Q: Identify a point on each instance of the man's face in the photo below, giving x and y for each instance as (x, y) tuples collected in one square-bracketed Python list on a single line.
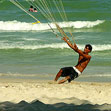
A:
[(86, 49)]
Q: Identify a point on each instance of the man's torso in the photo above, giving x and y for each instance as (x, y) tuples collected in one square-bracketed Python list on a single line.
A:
[(82, 63)]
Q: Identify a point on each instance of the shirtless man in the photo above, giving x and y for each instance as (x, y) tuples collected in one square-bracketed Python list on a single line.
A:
[(31, 9), (35, 10), (70, 73)]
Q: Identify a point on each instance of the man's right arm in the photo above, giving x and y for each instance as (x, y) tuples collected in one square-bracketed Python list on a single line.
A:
[(83, 54), (80, 52), (75, 48)]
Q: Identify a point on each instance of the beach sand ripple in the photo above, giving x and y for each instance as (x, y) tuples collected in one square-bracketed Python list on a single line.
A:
[(39, 106)]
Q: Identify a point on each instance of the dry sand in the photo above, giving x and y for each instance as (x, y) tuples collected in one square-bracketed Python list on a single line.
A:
[(30, 95)]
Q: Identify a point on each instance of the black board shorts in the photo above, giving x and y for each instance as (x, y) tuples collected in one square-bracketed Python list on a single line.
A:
[(69, 71)]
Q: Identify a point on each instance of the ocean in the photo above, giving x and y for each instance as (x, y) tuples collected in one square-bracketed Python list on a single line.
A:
[(32, 51)]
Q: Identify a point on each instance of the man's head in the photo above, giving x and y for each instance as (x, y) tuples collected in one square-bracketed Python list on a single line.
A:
[(35, 9), (88, 47), (31, 6)]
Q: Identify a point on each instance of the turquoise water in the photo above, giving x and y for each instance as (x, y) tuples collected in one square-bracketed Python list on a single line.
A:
[(33, 51)]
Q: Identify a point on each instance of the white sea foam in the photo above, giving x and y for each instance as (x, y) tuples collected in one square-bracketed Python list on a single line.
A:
[(96, 75), (20, 46), (102, 47), (23, 26), (81, 24), (53, 45)]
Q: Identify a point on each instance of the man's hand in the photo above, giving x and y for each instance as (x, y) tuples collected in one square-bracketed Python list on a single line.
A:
[(64, 38), (75, 47), (68, 42)]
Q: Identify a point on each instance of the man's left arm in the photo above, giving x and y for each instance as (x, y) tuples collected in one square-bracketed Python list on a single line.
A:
[(67, 41)]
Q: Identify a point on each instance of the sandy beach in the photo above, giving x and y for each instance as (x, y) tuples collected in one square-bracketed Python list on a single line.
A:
[(44, 95)]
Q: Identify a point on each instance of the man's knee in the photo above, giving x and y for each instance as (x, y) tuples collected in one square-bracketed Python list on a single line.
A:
[(67, 77), (61, 70)]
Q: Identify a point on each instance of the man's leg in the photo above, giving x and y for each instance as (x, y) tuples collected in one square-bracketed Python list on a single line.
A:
[(58, 75), (64, 80)]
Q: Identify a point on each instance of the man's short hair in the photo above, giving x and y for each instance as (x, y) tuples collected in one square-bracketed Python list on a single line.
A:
[(31, 6), (35, 9), (89, 46)]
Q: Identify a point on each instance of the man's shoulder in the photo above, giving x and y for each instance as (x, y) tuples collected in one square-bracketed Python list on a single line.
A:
[(90, 56), (87, 56)]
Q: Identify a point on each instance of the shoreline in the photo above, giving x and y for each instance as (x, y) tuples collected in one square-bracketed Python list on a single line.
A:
[(48, 77)]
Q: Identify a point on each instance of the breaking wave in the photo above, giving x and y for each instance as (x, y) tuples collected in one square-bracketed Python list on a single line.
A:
[(23, 26)]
